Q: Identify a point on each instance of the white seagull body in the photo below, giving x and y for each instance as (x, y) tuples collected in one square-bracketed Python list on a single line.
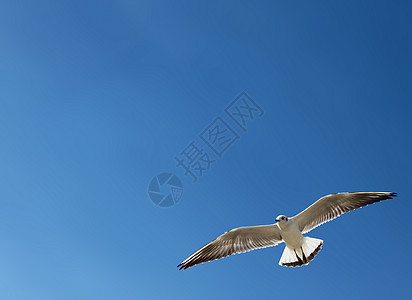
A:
[(299, 250)]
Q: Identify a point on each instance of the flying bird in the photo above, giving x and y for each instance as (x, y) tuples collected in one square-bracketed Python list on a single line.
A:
[(299, 250)]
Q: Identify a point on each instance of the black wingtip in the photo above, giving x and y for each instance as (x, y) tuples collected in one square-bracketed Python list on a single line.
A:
[(392, 195)]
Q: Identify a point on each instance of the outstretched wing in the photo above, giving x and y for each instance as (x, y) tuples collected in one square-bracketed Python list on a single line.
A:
[(332, 206), (239, 240)]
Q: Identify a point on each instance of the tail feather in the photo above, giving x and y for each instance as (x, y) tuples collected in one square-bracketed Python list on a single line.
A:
[(301, 256)]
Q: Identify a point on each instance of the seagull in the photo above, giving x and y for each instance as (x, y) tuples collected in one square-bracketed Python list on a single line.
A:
[(299, 250)]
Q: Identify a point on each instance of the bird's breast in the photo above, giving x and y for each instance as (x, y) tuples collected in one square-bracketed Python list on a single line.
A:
[(292, 237)]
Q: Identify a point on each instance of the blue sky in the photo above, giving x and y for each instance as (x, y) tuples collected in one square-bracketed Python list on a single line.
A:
[(97, 97)]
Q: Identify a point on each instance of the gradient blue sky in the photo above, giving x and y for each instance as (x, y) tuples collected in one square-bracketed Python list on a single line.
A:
[(97, 97)]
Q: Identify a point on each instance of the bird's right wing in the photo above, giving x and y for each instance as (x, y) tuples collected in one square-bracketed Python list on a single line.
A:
[(332, 206), (239, 240)]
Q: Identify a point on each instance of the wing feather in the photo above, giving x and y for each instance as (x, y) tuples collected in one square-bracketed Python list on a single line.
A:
[(332, 206), (239, 240)]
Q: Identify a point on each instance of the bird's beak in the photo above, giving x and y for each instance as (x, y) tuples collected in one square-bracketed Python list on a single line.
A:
[(276, 220)]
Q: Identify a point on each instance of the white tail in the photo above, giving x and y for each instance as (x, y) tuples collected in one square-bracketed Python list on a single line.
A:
[(303, 255)]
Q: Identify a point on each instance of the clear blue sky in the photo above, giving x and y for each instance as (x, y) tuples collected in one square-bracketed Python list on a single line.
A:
[(97, 97)]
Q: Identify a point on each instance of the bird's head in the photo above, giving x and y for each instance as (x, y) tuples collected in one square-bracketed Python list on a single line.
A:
[(281, 219)]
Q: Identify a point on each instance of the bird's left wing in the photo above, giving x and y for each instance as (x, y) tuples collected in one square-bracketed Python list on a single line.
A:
[(239, 240), (332, 206)]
